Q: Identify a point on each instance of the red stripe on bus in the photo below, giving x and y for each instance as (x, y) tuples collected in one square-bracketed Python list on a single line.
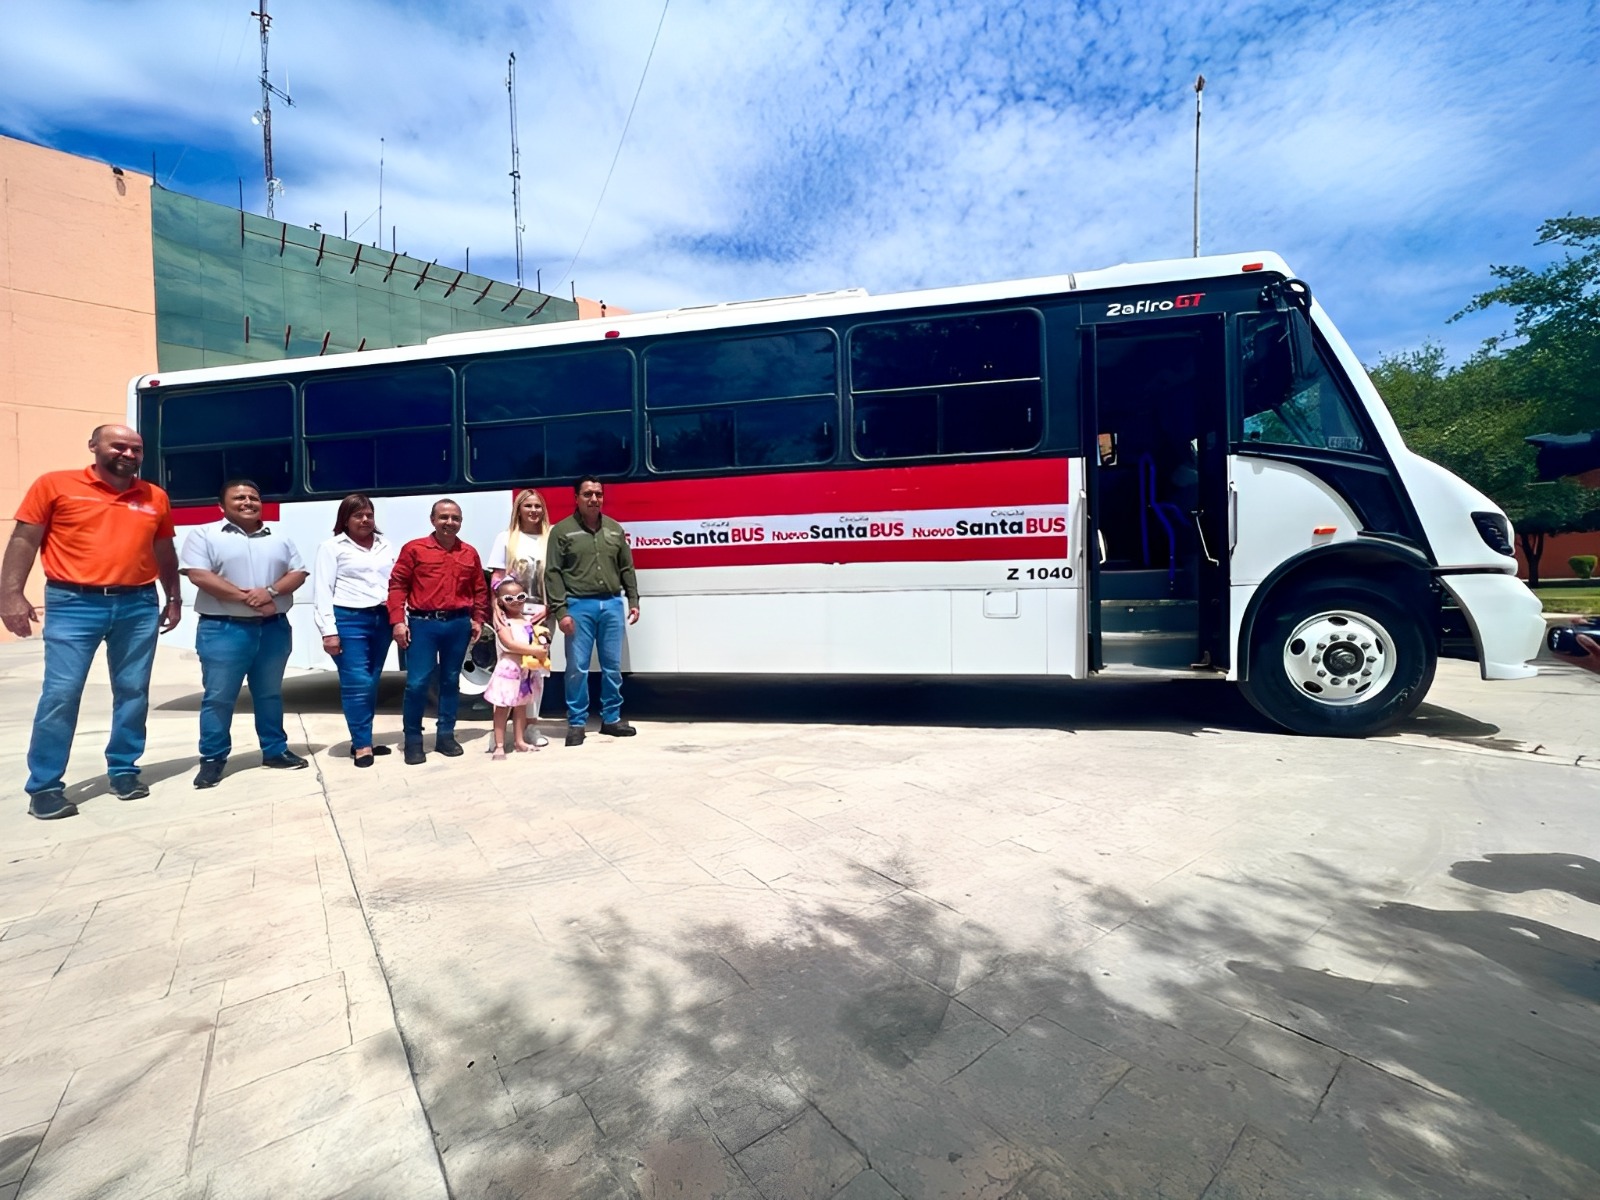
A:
[(204, 514), (929, 550), (863, 489)]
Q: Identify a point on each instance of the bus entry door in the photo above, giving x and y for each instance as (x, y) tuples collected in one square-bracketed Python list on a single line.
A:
[(1155, 433)]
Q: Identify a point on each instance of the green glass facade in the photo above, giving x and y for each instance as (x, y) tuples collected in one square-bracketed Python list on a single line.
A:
[(234, 287)]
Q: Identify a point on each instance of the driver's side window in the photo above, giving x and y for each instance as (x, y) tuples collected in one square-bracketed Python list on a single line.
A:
[(1290, 397)]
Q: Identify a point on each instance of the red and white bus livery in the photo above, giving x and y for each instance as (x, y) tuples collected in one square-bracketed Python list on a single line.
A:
[(1174, 467)]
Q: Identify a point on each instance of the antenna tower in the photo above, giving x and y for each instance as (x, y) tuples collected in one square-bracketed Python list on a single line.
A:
[(264, 116), (516, 163)]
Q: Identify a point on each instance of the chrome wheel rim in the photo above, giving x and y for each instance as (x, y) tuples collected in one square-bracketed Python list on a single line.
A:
[(1339, 658)]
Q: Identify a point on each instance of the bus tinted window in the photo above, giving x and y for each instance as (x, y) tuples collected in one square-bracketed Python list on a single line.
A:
[(207, 416), (535, 451), (757, 401), (193, 476), (405, 416), (1291, 397), (947, 385), (536, 417), (398, 460), (402, 398), (523, 387), (770, 434), (683, 374), (945, 350), (209, 435)]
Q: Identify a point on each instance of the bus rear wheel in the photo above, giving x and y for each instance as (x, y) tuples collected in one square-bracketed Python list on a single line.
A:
[(1336, 659)]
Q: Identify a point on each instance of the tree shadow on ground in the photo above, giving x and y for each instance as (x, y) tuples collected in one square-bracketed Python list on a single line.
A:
[(888, 1046)]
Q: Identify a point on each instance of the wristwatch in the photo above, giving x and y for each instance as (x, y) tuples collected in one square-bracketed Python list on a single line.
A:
[(272, 591)]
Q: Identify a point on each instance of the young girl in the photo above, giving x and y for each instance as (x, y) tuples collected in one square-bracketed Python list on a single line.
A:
[(524, 661)]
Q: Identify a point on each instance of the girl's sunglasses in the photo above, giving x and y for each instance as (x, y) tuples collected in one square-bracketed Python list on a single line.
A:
[(516, 598)]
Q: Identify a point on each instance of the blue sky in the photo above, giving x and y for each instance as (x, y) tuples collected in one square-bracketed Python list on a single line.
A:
[(1390, 151)]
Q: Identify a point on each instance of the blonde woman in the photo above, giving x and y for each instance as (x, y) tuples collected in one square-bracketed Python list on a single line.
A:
[(519, 553), (520, 550)]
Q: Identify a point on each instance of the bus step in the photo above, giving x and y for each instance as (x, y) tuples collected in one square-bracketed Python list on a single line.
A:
[(1143, 616), (1169, 650), (1145, 585)]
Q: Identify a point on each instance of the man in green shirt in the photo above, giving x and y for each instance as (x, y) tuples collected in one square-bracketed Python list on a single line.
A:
[(591, 590)]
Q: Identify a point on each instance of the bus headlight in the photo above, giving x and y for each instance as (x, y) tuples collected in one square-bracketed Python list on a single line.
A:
[(1495, 531)]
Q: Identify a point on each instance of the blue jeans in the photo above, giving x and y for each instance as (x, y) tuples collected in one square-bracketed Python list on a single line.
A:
[(595, 622), (438, 648), (74, 626), (364, 637), (231, 653)]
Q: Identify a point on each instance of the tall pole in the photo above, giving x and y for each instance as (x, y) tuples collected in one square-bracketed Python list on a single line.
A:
[(1199, 86), (265, 116), (516, 162), (380, 193)]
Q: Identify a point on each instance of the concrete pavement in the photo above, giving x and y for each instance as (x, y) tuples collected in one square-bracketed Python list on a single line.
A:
[(818, 939)]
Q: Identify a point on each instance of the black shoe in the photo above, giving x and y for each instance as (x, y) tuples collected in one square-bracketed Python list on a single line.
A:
[(380, 751), (574, 736), (287, 761), (364, 760), (618, 728), (51, 806), (447, 745), (210, 772), (415, 754), (128, 787)]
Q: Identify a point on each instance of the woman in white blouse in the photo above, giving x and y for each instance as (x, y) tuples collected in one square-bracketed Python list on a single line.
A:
[(350, 595), (519, 552)]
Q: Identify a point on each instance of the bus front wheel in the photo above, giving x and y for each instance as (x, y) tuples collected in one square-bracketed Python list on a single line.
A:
[(1338, 659)]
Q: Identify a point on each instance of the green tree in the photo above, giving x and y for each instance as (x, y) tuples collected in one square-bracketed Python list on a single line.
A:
[(1542, 377), (1554, 346)]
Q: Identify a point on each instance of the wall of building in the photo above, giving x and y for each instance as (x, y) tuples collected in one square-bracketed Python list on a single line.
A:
[(234, 287), (77, 308), (104, 277), (1558, 548)]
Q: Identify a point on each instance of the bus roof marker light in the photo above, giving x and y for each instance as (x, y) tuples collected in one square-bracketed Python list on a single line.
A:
[(610, 333), (1253, 267), (1324, 530)]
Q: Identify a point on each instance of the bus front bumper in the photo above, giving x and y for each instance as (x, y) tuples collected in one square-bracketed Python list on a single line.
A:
[(1507, 622)]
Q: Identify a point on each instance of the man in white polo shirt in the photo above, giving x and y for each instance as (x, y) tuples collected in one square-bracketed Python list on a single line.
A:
[(245, 573)]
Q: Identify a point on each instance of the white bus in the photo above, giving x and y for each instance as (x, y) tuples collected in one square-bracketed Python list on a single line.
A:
[(1172, 467)]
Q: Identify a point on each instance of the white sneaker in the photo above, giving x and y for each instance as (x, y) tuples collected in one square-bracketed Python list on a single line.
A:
[(539, 740)]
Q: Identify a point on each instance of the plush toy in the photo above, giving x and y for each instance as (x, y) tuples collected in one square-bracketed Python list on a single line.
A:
[(541, 660)]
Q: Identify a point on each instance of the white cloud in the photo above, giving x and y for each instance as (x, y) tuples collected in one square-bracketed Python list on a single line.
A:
[(1390, 152)]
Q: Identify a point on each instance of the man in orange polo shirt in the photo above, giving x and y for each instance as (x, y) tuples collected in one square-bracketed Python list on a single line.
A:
[(106, 535)]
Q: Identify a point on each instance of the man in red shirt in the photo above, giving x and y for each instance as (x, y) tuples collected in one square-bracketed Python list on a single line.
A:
[(438, 602), (106, 535)]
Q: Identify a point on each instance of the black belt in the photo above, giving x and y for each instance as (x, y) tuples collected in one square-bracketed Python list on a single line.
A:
[(238, 620), (98, 589), (370, 608), (438, 614)]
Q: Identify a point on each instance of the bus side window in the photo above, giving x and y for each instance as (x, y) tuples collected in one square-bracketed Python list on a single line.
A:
[(365, 430), (210, 435), (742, 402), (948, 385), (1289, 402)]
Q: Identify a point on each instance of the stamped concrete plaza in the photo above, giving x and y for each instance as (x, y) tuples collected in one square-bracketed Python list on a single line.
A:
[(818, 939)]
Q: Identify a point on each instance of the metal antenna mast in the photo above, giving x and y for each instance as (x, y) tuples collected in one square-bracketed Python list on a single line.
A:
[(516, 163), (1199, 86), (263, 116)]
